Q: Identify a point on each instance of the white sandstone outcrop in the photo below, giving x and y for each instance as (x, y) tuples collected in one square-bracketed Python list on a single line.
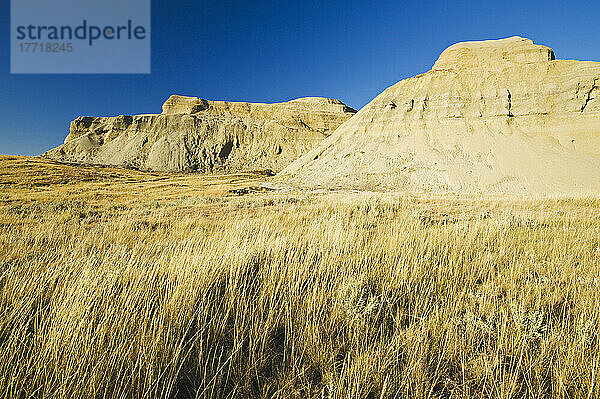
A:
[(490, 116), (193, 134)]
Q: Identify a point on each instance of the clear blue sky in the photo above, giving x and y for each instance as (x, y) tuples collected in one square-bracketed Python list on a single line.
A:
[(278, 50)]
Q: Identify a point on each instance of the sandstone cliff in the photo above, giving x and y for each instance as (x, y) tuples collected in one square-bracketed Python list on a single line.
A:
[(491, 116), (193, 134)]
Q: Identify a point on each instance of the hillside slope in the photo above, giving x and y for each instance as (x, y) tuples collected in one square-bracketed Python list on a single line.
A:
[(492, 116)]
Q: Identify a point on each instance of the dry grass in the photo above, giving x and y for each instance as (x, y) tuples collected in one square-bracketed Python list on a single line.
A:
[(118, 283)]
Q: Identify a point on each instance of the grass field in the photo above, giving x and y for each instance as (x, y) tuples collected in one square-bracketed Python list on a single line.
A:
[(118, 283)]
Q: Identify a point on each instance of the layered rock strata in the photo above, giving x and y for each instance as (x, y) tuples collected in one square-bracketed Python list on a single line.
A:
[(193, 134), (490, 116)]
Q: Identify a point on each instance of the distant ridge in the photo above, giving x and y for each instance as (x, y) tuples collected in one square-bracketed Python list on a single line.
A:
[(193, 134)]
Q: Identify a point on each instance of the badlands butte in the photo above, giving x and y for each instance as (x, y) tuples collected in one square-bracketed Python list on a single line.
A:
[(497, 116), (193, 134)]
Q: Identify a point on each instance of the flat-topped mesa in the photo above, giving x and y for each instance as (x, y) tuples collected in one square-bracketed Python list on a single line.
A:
[(491, 54), (193, 134), (491, 116), (177, 104), (321, 114)]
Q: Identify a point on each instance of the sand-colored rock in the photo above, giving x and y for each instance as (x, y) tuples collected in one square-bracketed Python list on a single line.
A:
[(491, 116), (193, 134)]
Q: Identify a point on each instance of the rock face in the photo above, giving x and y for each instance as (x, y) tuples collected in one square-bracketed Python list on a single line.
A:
[(193, 134), (490, 116)]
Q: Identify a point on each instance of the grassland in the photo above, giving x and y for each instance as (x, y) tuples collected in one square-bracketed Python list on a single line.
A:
[(118, 283)]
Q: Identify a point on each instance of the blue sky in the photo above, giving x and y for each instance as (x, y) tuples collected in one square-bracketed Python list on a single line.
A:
[(268, 51)]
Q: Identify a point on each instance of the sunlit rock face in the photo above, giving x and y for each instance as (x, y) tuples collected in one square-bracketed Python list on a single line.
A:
[(193, 134), (490, 116)]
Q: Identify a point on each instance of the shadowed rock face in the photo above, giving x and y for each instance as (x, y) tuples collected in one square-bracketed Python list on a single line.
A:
[(193, 134), (491, 116)]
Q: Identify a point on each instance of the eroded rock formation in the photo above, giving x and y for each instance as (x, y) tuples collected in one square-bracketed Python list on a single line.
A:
[(193, 134), (490, 116)]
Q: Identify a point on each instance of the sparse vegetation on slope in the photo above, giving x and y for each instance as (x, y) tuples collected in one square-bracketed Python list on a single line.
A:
[(174, 286)]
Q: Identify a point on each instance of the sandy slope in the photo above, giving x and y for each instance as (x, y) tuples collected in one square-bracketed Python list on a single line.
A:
[(493, 116)]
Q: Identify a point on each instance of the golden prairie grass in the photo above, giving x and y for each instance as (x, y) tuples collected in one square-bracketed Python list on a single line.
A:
[(151, 286)]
